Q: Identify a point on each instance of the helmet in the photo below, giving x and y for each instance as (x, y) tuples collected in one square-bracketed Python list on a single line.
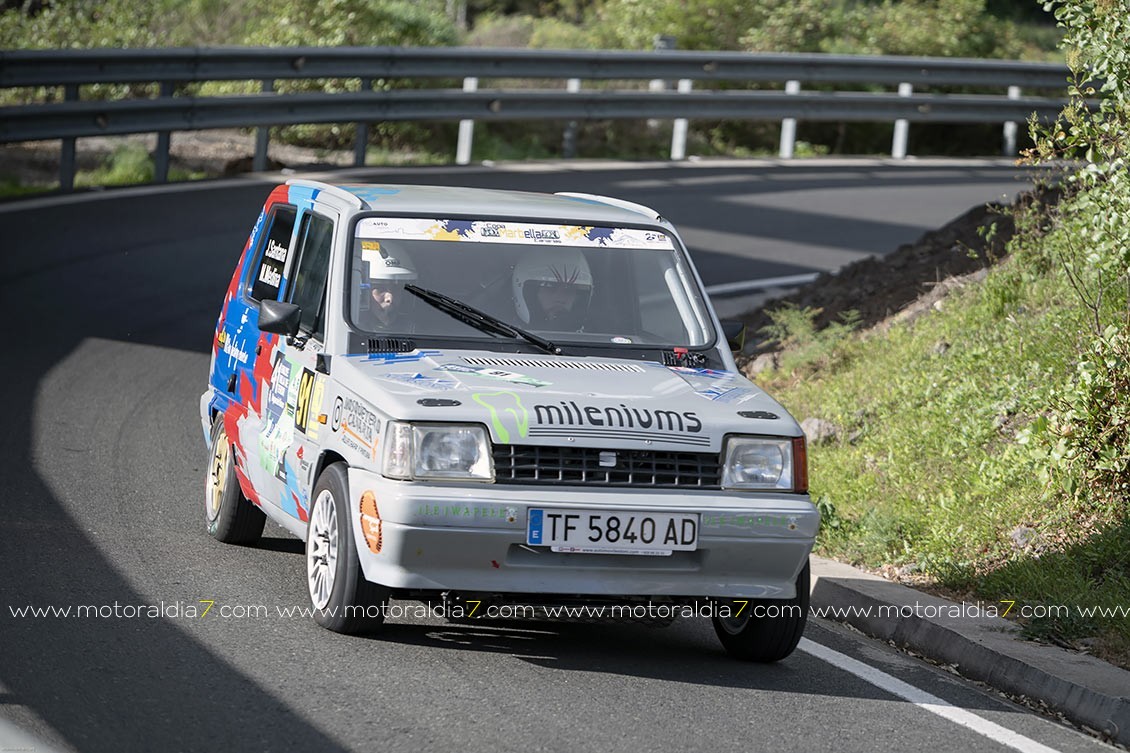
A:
[(557, 268), (387, 264)]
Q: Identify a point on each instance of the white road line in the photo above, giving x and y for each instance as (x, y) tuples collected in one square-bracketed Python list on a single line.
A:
[(924, 700)]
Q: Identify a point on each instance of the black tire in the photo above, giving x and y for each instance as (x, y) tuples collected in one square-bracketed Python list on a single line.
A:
[(765, 638), (349, 604), (229, 516)]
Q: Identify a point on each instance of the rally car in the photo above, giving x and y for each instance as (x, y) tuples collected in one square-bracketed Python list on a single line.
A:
[(468, 396)]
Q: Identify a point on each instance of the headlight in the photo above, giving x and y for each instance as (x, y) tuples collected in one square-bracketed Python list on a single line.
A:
[(437, 452), (760, 463)]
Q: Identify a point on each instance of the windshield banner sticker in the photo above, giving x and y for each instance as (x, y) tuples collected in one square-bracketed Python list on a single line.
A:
[(524, 233)]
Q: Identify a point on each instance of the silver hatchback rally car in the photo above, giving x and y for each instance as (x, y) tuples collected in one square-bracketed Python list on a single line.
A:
[(473, 397)]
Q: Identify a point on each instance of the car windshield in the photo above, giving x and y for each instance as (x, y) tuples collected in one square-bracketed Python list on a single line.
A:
[(572, 284)]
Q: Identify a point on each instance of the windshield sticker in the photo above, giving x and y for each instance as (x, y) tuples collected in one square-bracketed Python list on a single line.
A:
[(523, 233), (489, 373), (505, 407), (420, 381)]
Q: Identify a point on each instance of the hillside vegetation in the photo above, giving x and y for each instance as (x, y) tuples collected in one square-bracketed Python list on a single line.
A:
[(985, 447)]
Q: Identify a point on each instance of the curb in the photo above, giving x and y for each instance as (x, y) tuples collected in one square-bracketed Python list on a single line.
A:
[(1086, 690)]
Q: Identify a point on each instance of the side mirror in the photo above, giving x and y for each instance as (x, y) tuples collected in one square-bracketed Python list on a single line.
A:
[(735, 332), (279, 317)]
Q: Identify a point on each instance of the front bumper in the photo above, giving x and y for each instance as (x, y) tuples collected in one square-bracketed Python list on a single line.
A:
[(472, 538)]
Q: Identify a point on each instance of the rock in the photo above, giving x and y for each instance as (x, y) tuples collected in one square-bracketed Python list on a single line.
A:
[(1024, 537), (763, 362), (818, 430)]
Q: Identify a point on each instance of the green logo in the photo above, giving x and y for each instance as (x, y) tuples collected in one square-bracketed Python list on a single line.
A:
[(504, 402)]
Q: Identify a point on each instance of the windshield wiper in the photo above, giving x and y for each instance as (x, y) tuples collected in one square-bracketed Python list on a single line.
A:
[(480, 320)]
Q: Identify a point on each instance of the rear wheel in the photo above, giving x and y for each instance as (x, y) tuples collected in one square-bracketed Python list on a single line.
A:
[(764, 630), (230, 516), (344, 601)]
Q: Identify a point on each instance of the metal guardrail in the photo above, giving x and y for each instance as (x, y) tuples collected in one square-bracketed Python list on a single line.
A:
[(170, 68)]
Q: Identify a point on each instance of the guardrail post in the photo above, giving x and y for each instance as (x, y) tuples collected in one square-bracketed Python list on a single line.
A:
[(466, 128), (1009, 149), (262, 136), (679, 130), (161, 157), (569, 138), (361, 134), (788, 126), (902, 127), (67, 153)]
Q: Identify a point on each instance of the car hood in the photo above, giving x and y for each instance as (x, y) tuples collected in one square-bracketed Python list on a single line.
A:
[(542, 399)]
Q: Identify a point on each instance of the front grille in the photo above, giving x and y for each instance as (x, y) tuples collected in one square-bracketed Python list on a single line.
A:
[(534, 464)]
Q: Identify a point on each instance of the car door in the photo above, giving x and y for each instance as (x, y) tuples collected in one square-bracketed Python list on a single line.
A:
[(243, 355), (290, 434)]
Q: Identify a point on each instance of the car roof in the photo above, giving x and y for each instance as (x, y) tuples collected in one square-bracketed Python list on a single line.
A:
[(439, 201)]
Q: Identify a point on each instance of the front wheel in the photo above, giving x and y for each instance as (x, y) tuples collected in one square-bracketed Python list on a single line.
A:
[(764, 630), (230, 516), (344, 601)]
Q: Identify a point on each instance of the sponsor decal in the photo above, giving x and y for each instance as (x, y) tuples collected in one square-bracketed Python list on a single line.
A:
[(419, 355), (357, 425), (505, 407), (489, 373), (371, 525), (232, 350), (421, 382), (710, 373), (302, 405), (751, 521), (278, 424), (315, 409), (569, 413), (523, 233), (359, 420), (510, 417), (730, 395), (478, 512)]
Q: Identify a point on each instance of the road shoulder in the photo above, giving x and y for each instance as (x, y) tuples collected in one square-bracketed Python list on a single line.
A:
[(980, 646)]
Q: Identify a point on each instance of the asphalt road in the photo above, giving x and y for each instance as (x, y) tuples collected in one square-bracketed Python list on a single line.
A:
[(108, 305)]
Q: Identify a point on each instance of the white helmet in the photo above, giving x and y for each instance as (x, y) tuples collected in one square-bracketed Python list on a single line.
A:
[(561, 268), (386, 264)]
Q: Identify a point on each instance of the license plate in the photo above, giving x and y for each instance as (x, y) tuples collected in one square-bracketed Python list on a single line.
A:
[(612, 531)]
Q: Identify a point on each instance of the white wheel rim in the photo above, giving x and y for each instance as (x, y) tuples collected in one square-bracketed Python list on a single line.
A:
[(217, 476), (321, 550)]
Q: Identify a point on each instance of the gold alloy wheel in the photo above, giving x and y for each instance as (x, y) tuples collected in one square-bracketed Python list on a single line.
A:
[(218, 474)]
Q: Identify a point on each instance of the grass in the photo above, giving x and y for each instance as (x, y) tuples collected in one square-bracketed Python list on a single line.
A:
[(934, 468), (129, 164)]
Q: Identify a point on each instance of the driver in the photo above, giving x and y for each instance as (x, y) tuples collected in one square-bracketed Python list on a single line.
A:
[(388, 302), (552, 288)]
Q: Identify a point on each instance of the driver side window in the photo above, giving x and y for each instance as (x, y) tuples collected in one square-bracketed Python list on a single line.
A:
[(308, 292)]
